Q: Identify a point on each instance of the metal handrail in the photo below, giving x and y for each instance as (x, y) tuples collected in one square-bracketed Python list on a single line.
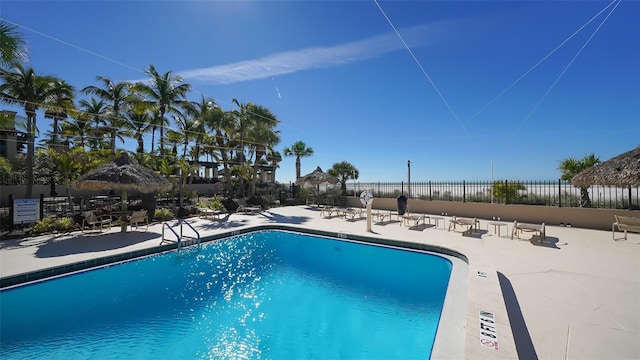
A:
[(194, 230), (173, 231)]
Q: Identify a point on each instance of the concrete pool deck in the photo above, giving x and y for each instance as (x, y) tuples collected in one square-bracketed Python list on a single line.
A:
[(575, 296)]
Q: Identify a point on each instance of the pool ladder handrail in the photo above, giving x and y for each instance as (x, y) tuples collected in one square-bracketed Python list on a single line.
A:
[(194, 230), (180, 236)]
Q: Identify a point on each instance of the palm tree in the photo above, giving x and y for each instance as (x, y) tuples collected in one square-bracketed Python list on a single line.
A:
[(168, 92), (59, 111), (202, 113), (299, 149), (13, 47), (95, 111), (571, 167), (24, 86), (139, 119), (344, 171), (117, 96), (262, 137), (76, 129), (220, 124)]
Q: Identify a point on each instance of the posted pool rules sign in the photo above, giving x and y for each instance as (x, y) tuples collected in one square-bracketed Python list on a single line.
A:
[(488, 334)]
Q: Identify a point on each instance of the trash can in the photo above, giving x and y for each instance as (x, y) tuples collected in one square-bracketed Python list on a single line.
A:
[(402, 204)]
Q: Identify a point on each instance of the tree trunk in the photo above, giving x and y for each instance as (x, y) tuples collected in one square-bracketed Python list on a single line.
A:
[(585, 201)]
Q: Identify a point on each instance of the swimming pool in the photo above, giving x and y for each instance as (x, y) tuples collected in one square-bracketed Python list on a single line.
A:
[(268, 294)]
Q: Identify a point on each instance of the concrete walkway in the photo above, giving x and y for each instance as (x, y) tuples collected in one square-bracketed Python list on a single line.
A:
[(575, 296)]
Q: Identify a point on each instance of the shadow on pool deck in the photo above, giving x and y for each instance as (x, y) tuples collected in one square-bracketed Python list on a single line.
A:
[(91, 242), (521, 336)]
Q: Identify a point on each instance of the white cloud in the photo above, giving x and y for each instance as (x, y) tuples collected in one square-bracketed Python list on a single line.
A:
[(313, 58)]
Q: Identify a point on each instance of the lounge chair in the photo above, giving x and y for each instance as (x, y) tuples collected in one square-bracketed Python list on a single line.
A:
[(379, 215), (625, 223), (90, 219), (329, 211), (137, 217), (353, 212), (206, 212), (244, 208), (407, 218), (532, 228), (469, 223)]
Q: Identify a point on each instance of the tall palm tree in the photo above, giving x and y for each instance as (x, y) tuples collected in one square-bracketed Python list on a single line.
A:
[(59, 111), (77, 128), (220, 125), (202, 113), (117, 97), (571, 167), (23, 86), (168, 91), (95, 111), (344, 171), (139, 119), (13, 47), (262, 137), (298, 149)]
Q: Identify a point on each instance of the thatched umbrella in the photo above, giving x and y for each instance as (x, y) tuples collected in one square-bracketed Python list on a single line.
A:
[(621, 171), (124, 173), (317, 177)]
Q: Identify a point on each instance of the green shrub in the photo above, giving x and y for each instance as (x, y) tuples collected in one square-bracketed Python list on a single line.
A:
[(216, 204), (164, 214), (50, 224)]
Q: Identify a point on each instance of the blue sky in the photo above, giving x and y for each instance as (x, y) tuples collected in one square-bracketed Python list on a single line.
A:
[(452, 86)]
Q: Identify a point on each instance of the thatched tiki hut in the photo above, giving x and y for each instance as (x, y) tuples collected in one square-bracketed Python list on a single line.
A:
[(317, 177), (124, 174), (622, 171)]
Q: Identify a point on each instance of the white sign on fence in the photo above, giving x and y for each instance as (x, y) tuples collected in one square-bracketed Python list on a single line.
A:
[(26, 211)]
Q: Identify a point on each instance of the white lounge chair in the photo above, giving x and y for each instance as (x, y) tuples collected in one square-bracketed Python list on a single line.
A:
[(625, 223), (380, 215), (407, 218), (471, 224), (244, 208), (518, 228)]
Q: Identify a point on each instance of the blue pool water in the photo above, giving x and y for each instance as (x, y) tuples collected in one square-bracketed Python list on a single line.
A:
[(270, 295)]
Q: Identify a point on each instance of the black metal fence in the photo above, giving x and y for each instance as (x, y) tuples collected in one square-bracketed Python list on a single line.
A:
[(558, 193), (547, 193)]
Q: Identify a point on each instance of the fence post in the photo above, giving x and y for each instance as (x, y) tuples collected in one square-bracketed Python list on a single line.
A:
[(41, 206), (506, 191), (559, 193), (464, 191), (430, 195)]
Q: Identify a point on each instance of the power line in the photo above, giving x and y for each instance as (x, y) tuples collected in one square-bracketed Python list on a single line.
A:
[(566, 68)]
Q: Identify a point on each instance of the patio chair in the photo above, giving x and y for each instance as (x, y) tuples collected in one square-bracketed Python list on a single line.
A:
[(329, 211), (93, 221), (407, 218), (470, 223), (137, 217), (244, 208), (207, 212), (518, 228), (625, 223)]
